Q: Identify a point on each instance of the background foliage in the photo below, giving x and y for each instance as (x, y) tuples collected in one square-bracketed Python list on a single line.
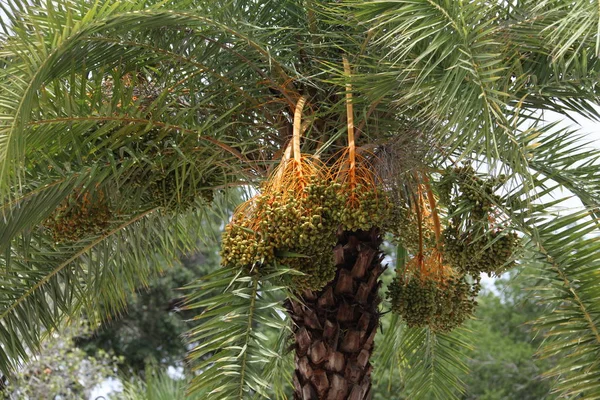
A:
[(153, 324), (61, 370)]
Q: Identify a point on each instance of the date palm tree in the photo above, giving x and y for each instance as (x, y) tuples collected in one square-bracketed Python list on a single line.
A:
[(124, 127)]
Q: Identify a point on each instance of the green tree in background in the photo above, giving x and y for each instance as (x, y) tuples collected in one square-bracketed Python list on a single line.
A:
[(62, 371), (124, 127), (152, 326), (503, 362)]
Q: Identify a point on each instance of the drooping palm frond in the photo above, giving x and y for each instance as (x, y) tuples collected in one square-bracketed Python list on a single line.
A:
[(565, 83), (213, 73), (44, 282), (279, 369), (565, 247), (434, 361), (230, 351), (562, 239), (568, 253), (570, 161), (443, 63)]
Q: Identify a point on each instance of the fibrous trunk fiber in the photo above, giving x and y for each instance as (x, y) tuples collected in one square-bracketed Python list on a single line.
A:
[(335, 327)]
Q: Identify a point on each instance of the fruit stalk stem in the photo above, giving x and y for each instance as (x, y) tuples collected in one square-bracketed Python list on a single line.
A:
[(420, 225), (432, 203), (350, 117), (297, 131)]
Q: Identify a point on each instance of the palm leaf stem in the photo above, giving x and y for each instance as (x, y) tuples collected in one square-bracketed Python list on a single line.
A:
[(251, 311), (146, 122)]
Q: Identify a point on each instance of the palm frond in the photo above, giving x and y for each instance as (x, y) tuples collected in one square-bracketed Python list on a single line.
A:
[(26, 212), (562, 240), (54, 71), (434, 362), (472, 72), (389, 363), (447, 61), (44, 282), (158, 385), (570, 161), (278, 370), (574, 25), (230, 351), (567, 248)]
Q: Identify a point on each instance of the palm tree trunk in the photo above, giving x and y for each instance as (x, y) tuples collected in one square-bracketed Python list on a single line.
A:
[(335, 328)]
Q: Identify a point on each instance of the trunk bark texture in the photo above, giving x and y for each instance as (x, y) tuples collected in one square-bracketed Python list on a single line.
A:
[(335, 328)]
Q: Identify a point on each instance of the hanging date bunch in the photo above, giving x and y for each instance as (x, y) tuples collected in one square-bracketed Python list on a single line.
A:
[(82, 214), (441, 302), (476, 239), (427, 292), (292, 222), (365, 202)]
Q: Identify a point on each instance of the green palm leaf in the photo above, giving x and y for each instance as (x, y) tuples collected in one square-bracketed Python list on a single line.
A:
[(228, 342)]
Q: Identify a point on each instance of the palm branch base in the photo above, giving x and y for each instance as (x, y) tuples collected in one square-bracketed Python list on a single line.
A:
[(334, 328)]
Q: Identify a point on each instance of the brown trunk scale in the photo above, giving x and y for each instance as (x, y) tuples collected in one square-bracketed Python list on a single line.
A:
[(335, 328)]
